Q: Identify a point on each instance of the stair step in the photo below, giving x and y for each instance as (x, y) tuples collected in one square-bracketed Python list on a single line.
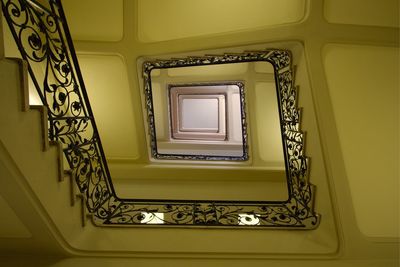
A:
[(24, 133), (61, 174), (43, 123)]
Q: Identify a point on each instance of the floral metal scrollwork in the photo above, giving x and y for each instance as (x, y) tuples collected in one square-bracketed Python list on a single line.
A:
[(43, 39), (44, 42)]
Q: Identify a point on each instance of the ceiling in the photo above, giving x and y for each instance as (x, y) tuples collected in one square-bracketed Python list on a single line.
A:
[(130, 31), (347, 69)]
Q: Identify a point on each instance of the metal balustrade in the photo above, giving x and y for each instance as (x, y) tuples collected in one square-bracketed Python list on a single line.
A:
[(41, 33)]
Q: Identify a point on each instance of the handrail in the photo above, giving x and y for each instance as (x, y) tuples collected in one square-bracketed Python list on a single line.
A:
[(44, 41)]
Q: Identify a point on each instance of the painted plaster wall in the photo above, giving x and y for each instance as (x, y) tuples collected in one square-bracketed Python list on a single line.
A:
[(355, 240)]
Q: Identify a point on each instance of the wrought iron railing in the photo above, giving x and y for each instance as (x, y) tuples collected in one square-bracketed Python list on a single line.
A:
[(42, 36), (44, 41)]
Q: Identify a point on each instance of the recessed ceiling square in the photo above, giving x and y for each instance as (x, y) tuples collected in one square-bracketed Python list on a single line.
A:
[(198, 112), (200, 120)]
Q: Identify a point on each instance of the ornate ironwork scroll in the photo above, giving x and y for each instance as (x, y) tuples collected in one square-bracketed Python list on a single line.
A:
[(297, 211), (42, 36), (43, 39)]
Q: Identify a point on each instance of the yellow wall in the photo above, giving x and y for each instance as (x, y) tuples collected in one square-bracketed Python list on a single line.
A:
[(365, 100), (343, 54)]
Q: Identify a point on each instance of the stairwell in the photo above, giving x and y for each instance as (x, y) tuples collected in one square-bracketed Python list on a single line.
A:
[(35, 184), (32, 167)]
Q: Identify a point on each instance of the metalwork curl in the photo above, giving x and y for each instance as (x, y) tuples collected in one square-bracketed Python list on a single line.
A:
[(44, 41)]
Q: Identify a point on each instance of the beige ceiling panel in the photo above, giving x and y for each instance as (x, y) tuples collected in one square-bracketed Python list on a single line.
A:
[(364, 87), (161, 20), (363, 12), (107, 84), (95, 20)]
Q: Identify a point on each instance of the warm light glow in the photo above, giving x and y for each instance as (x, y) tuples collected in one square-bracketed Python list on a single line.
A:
[(152, 218), (248, 219), (199, 114), (268, 124), (107, 84)]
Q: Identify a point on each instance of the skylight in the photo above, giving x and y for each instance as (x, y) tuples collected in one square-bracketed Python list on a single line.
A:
[(205, 119)]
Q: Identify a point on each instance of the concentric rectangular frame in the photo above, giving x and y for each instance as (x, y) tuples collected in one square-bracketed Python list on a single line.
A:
[(152, 128), (297, 212), (220, 129), (176, 91)]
